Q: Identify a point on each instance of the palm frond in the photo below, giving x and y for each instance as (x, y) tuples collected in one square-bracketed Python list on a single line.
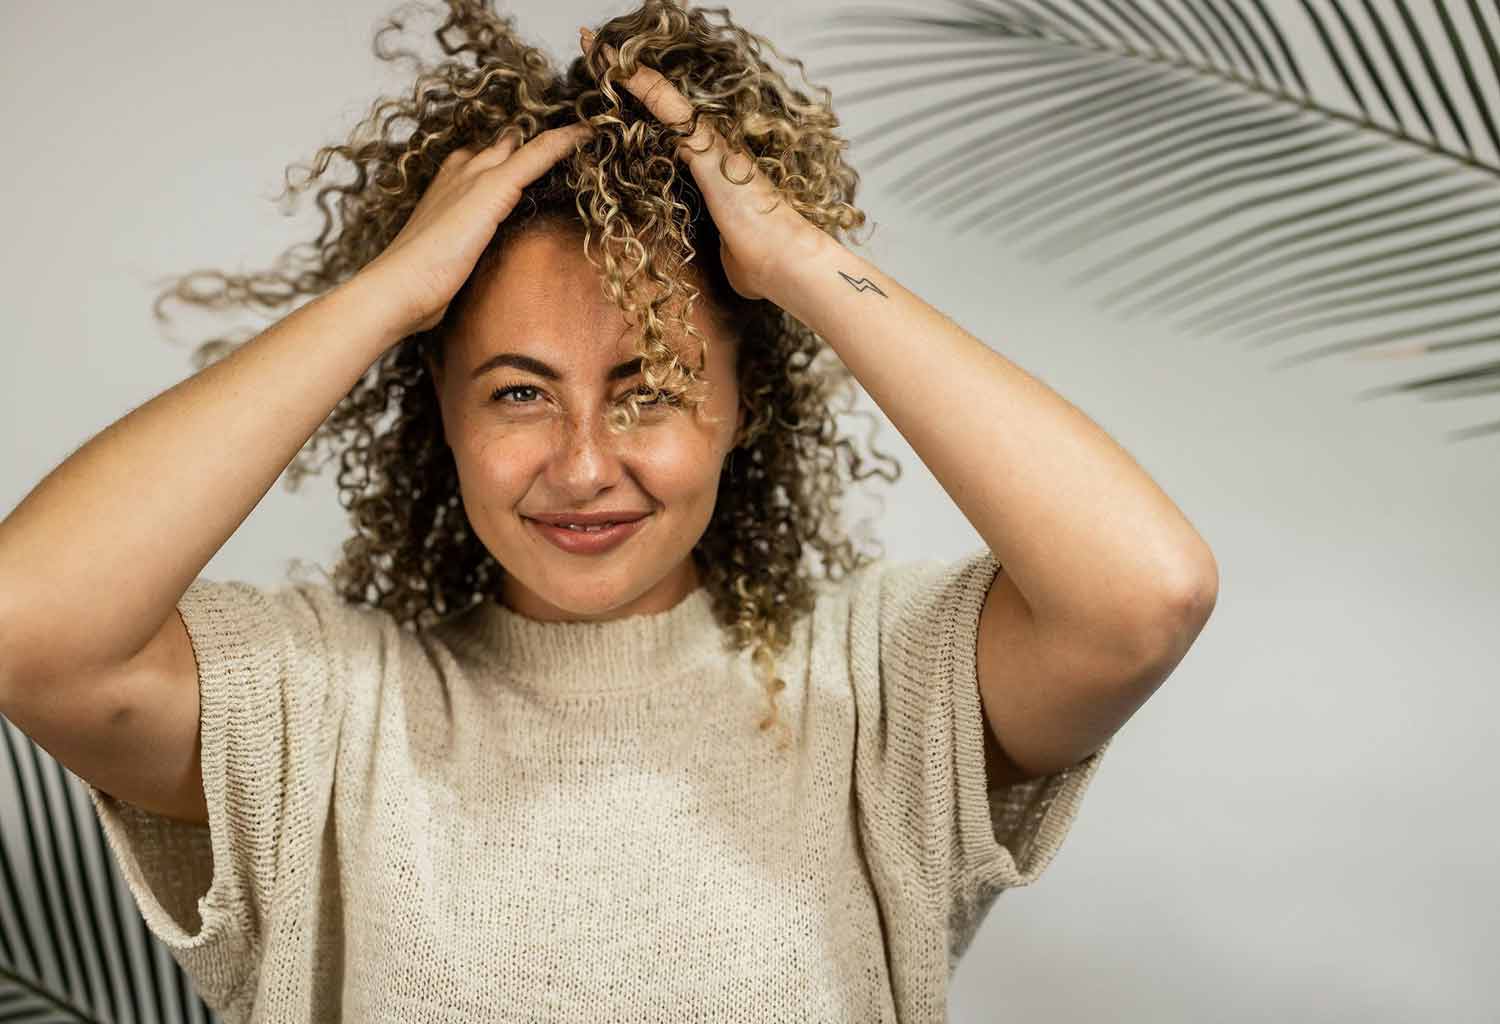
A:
[(1312, 168), (65, 912)]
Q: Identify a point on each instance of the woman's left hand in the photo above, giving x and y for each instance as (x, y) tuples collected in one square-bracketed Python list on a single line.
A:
[(755, 245)]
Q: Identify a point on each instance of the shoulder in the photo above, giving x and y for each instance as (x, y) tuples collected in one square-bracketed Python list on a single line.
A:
[(908, 606), (296, 623), (890, 584)]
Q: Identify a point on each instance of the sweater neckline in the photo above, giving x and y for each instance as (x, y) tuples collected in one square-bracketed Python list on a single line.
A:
[(614, 656)]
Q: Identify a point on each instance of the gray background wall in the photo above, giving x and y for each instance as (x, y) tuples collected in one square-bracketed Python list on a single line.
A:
[(1299, 825)]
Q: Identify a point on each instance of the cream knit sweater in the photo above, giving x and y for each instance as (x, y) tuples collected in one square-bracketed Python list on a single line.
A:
[(500, 819)]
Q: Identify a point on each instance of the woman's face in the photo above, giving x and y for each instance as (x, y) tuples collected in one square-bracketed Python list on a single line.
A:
[(541, 446)]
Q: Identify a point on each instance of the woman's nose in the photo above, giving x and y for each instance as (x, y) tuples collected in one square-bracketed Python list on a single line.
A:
[(589, 454)]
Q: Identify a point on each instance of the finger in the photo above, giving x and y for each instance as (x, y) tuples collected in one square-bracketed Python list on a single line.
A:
[(456, 159), (498, 150), (663, 99), (533, 160)]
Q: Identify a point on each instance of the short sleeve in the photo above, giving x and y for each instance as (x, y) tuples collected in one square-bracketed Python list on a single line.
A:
[(921, 745), (272, 671)]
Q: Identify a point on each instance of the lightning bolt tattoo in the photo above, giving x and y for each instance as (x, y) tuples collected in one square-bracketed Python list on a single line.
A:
[(862, 284)]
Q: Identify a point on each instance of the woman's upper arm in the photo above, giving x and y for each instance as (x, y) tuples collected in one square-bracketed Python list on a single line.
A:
[(129, 729)]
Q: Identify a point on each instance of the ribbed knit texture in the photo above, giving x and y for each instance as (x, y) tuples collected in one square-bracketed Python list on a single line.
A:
[(501, 819)]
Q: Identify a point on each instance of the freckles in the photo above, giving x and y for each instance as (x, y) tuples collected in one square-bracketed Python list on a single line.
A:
[(677, 456), (678, 438), (504, 460), (678, 460)]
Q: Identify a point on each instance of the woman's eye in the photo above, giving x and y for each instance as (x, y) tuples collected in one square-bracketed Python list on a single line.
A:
[(499, 393), (662, 399), (503, 394)]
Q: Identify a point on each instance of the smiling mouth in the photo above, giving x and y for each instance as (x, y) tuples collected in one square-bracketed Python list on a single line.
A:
[(586, 527), (579, 540)]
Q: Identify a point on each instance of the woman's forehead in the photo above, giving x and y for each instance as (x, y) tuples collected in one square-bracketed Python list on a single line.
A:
[(564, 357), (542, 298), (593, 343)]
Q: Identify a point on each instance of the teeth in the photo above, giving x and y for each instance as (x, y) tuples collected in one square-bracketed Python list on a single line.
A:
[(590, 529)]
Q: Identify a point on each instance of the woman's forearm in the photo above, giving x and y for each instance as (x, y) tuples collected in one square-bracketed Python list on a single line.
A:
[(94, 559), (1089, 539)]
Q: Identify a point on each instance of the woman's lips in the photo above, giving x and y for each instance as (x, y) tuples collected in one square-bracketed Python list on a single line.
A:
[(589, 542)]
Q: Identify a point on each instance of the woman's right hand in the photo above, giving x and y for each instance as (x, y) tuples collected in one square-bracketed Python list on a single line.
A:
[(435, 251)]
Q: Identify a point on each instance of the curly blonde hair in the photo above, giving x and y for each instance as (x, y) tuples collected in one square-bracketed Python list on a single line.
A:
[(413, 552)]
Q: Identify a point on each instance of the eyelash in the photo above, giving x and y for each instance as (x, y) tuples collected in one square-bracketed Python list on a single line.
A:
[(498, 394)]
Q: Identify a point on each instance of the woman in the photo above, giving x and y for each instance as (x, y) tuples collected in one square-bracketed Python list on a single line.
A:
[(503, 766)]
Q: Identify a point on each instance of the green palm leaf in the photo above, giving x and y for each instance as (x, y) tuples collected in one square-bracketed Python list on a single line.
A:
[(1186, 132)]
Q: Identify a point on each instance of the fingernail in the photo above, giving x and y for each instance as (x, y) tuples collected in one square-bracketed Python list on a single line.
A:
[(586, 35)]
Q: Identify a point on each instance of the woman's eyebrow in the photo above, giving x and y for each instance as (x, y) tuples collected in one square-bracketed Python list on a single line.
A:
[(629, 368)]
